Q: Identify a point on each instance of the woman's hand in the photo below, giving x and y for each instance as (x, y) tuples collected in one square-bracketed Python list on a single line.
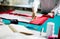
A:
[(51, 14)]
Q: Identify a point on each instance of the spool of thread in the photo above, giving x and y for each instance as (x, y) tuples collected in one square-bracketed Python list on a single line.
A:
[(58, 12), (50, 29)]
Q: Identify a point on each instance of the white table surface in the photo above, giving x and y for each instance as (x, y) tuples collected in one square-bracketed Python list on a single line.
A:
[(6, 33)]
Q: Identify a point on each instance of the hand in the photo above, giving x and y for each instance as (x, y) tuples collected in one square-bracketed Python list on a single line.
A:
[(33, 16), (51, 14)]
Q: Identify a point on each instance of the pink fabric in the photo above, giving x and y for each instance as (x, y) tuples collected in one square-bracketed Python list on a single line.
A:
[(39, 20)]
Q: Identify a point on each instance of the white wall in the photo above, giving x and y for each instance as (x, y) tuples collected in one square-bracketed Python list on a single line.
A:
[(17, 2)]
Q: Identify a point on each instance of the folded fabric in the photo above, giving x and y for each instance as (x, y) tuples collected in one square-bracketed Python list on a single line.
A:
[(42, 19), (8, 11), (39, 20)]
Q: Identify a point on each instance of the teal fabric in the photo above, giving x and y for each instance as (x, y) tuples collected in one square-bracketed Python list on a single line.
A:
[(6, 21), (55, 20)]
